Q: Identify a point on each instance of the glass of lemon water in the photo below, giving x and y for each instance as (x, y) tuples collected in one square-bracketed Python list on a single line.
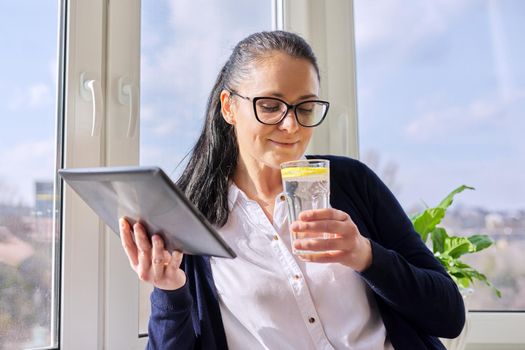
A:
[(306, 186)]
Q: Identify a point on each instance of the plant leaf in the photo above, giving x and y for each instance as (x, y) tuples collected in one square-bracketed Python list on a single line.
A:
[(481, 277), (447, 249), (480, 242), (426, 221), (447, 201), (438, 236), (463, 274), (457, 246)]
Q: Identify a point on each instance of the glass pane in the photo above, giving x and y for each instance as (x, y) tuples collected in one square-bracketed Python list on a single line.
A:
[(180, 59), (441, 92), (28, 70)]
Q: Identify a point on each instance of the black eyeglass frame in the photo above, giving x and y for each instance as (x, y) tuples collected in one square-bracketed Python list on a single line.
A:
[(288, 107)]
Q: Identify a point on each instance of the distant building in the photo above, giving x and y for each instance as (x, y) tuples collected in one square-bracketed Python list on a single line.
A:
[(494, 221), (43, 213), (44, 199)]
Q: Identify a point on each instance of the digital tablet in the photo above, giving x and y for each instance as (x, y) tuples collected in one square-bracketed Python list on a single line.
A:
[(147, 195)]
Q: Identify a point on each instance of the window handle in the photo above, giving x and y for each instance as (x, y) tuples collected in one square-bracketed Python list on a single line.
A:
[(91, 90), (128, 94)]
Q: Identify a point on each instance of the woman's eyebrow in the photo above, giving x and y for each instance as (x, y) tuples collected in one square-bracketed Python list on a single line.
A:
[(303, 97)]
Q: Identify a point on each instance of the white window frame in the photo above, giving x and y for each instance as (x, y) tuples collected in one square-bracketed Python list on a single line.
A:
[(82, 260), (122, 148), (99, 291), (99, 299), (329, 26)]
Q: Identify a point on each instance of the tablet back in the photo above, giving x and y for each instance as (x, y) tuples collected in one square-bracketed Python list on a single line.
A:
[(147, 195)]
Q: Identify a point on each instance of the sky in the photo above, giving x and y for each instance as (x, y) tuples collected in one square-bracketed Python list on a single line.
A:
[(28, 42), (441, 97), (180, 61), (441, 90)]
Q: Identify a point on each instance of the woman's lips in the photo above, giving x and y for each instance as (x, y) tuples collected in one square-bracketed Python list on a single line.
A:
[(284, 143)]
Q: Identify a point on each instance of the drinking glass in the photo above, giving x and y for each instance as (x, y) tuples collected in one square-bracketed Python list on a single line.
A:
[(306, 186)]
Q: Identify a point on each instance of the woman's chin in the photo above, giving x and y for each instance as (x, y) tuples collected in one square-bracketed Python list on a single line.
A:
[(282, 157)]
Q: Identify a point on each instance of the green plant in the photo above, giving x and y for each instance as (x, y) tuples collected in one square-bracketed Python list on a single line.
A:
[(448, 249)]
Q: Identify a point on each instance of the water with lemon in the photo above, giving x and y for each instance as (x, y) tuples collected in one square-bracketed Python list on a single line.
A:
[(306, 186)]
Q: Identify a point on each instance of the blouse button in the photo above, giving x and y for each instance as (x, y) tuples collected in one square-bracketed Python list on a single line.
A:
[(311, 320), (282, 197), (275, 237)]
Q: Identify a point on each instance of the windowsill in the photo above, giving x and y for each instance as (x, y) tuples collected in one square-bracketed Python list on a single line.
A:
[(491, 330)]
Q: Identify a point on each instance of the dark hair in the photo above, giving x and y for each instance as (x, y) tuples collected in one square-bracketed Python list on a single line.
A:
[(213, 160)]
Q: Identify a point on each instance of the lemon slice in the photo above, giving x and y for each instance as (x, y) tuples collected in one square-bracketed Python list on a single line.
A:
[(287, 173)]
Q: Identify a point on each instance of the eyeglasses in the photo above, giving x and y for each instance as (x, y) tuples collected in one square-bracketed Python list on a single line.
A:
[(272, 110)]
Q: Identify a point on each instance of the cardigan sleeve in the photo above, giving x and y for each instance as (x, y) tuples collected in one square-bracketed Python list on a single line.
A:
[(171, 325), (404, 272)]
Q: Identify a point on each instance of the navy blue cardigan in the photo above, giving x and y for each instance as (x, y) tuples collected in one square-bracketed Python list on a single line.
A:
[(417, 299)]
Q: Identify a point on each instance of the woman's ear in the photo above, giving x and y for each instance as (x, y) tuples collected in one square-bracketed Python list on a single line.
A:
[(227, 107)]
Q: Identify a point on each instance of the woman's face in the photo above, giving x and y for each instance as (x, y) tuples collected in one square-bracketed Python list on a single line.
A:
[(279, 75)]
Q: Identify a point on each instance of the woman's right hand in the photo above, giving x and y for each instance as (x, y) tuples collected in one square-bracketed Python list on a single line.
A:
[(152, 263)]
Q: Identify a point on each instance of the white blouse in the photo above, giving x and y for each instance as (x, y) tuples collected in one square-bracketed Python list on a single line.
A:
[(269, 299)]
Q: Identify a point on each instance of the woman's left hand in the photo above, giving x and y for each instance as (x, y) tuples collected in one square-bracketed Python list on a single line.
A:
[(347, 247)]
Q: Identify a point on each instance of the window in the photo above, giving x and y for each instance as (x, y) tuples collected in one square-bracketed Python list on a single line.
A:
[(99, 291), (29, 241), (441, 94), (180, 60)]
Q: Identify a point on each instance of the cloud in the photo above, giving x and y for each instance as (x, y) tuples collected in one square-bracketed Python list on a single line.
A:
[(28, 162), (38, 94), (439, 122), (151, 152), (167, 124), (166, 127), (388, 35), (166, 158), (9, 193), (383, 22), (147, 112), (32, 97), (479, 112)]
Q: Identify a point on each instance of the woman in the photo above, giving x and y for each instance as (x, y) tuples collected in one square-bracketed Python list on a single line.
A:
[(375, 286)]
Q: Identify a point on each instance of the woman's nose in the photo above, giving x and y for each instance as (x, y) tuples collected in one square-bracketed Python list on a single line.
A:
[(289, 123)]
